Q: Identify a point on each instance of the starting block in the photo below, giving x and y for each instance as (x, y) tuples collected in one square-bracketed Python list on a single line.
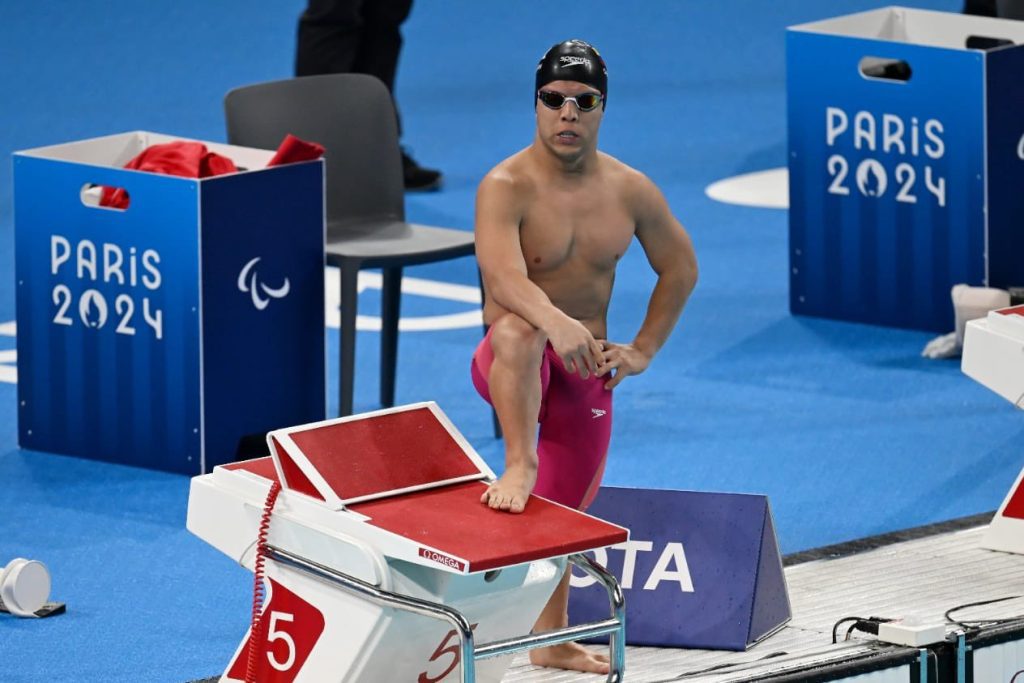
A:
[(380, 561), (994, 356), (994, 352)]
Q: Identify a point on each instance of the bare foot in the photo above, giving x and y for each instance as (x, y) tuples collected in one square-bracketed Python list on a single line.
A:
[(570, 656), (512, 489)]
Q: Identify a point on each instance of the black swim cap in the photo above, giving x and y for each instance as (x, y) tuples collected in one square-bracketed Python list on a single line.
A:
[(573, 60)]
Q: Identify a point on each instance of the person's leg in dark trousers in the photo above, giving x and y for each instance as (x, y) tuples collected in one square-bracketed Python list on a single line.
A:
[(359, 36), (378, 55), (382, 43), (382, 38), (330, 34), (984, 8)]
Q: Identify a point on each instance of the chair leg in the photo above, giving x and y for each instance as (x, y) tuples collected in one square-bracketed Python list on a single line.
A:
[(494, 414), (347, 343), (391, 304)]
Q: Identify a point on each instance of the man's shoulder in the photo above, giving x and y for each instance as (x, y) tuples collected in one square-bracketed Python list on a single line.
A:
[(633, 183), (620, 170), (511, 175)]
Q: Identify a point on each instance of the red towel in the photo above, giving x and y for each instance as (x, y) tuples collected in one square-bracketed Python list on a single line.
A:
[(193, 160), (293, 150), (185, 159)]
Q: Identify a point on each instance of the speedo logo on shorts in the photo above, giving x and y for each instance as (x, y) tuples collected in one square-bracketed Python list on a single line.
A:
[(568, 60)]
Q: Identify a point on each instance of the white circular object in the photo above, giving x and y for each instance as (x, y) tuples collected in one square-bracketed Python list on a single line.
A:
[(767, 189), (24, 586)]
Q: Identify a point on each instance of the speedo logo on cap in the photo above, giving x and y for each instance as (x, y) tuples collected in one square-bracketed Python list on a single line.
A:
[(569, 60), (442, 559)]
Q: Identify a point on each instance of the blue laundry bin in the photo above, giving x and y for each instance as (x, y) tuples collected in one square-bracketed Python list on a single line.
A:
[(161, 334), (906, 163)]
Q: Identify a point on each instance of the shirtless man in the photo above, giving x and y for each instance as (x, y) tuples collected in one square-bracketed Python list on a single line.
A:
[(552, 222)]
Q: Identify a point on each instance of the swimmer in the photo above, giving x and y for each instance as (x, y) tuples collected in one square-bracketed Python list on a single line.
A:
[(552, 222)]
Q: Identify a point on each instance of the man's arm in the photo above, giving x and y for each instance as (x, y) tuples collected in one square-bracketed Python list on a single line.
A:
[(500, 255), (670, 253)]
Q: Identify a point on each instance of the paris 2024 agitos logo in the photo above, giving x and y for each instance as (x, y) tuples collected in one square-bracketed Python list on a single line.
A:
[(895, 156)]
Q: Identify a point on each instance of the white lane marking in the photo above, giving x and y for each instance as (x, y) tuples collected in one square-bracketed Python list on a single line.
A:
[(410, 285), (766, 189), (8, 359)]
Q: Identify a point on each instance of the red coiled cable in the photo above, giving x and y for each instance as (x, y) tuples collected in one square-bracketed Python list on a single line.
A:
[(256, 632)]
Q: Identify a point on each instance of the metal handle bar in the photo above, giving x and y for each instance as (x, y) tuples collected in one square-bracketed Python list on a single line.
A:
[(614, 626)]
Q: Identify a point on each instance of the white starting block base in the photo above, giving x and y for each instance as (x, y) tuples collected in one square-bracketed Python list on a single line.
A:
[(994, 356), (374, 643), (994, 352), (1006, 530), (383, 565), (369, 642)]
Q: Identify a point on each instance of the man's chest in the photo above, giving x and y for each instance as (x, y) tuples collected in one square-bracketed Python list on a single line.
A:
[(594, 233)]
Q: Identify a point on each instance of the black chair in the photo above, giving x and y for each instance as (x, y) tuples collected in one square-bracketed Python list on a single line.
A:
[(353, 117)]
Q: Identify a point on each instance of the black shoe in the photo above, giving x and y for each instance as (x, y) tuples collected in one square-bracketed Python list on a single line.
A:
[(418, 178)]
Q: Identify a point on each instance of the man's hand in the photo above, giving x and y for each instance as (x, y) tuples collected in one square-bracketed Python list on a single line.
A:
[(577, 348), (624, 359)]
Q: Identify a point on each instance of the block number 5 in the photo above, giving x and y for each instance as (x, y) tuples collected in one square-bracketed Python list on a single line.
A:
[(445, 649), (274, 634)]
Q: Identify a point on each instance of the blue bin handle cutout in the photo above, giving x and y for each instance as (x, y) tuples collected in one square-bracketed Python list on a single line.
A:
[(884, 69), (974, 42), (91, 195)]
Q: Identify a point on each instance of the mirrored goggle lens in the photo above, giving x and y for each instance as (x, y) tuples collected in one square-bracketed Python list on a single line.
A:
[(588, 101)]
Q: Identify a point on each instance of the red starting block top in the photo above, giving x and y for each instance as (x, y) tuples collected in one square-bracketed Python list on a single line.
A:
[(374, 455), (453, 520), (263, 467), (452, 527), (409, 473), (1013, 310)]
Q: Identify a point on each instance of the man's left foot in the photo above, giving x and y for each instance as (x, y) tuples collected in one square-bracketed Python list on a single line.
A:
[(512, 490), (572, 656), (417, 178)]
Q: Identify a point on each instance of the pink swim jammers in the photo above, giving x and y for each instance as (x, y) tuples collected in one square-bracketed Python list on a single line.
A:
[(575, 427)]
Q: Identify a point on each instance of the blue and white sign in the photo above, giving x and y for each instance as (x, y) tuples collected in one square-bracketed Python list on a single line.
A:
[(160, 334), (701, 570), (895, 129)]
